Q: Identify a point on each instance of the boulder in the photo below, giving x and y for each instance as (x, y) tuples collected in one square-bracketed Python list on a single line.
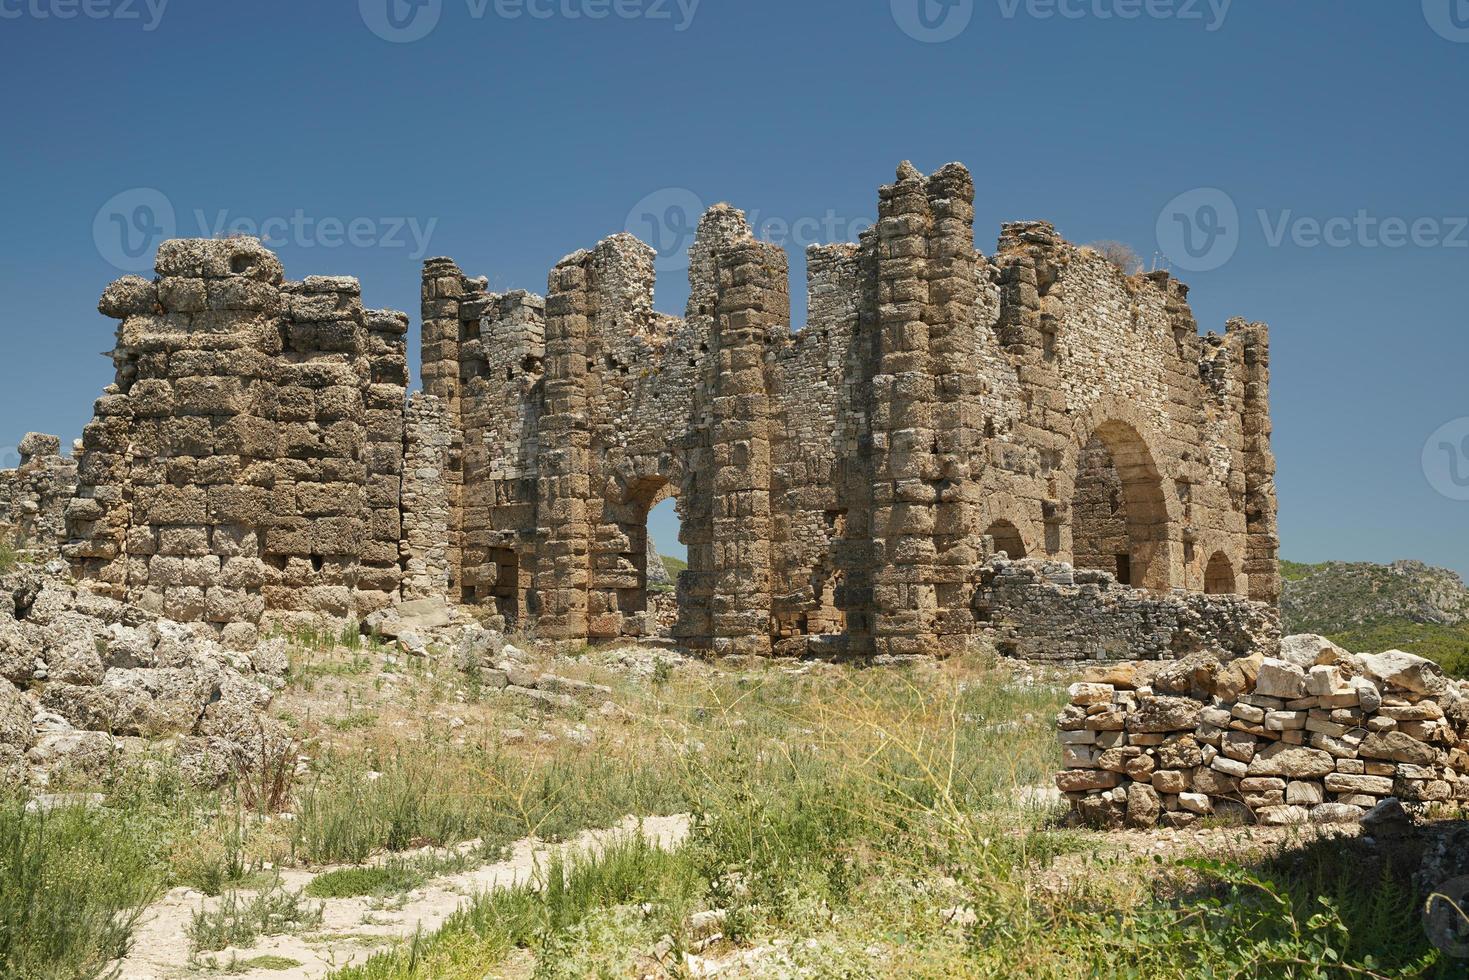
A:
[(16, 727), (1237, 677), (1143, 806), (1194, 676), (1406, 671), (1280, 679), (1324, 813), (1397, 747), (1306, 650)]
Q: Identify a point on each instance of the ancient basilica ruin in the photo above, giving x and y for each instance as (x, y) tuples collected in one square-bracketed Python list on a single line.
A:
[(840, 487)]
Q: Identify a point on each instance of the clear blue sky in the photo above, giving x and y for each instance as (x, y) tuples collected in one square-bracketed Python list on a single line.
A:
[(518, 139)]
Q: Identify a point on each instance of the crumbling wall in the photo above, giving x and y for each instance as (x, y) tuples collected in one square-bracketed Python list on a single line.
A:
[(1044, 610), (1320, 736), (840, 486), (249, 455), (34, 495)]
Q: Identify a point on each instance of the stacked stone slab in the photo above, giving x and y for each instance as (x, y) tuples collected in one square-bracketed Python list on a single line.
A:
[(249, 454), (1323, 736), (34, 496)]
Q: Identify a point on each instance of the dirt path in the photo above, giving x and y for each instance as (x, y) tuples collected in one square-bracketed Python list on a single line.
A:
[(352, 929)]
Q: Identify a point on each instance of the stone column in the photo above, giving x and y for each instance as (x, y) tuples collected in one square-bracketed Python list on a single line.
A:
[(563, 572), (752, 303), (904, 438), (1262, 542)]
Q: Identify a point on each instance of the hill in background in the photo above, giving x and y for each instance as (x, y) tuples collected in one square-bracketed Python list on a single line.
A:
[(1368, 608)]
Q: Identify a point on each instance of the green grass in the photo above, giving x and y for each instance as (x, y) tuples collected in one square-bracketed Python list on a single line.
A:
[(73, 883), (1294, 571), (239, 919), (674, 566), (1447, 646)]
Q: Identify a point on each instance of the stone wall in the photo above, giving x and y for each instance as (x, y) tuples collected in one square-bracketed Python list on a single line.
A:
[(249, 455), (34, 496), (1045, 610), (839, 485), (1318, 735)]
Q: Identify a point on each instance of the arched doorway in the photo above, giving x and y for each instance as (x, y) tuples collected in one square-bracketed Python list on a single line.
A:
[(1219, 575), (1118, 510), (1006, 537)]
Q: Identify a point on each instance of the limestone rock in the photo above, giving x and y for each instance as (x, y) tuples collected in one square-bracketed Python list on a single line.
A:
[(1164, 714), (1406, 671), (1294, 762)]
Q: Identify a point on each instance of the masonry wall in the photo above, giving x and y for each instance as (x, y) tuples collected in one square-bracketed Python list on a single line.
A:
[(249, 455), (34, 496), (840, 486)]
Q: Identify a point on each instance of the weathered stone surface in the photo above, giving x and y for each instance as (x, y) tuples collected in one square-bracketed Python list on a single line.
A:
[(1279, 679), (1397, 747), (1280, 759), (1405, 670), (1164, 714)]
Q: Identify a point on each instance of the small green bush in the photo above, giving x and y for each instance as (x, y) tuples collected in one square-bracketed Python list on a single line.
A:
[(73, 883)]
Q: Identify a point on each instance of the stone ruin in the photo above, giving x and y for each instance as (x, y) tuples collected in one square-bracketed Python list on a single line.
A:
[(1317, 735), (843, 488)]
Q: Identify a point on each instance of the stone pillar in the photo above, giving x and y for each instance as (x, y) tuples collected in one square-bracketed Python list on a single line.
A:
[(1262, 542), (953, 292), (904, 496), (425, 551), (752, 305), (563, 571)]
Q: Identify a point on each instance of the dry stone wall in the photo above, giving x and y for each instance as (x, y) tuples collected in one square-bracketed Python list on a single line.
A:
[(1315, 735), (1043, 610)]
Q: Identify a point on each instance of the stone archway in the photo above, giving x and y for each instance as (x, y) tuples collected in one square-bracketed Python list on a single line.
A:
[(1006, 537), (1219, 575), (1120, 517)]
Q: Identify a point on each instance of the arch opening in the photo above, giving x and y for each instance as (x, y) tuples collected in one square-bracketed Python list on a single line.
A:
[(1219, 575), (1006, 538), (1118, 510)]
